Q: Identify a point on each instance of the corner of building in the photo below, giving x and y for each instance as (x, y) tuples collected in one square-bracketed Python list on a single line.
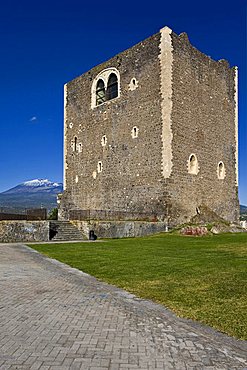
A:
[(166, 61)]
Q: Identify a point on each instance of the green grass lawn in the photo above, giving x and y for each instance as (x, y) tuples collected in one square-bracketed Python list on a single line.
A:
[(202, 278)]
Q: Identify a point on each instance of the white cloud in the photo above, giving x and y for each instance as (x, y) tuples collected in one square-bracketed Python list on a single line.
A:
[(33, 119)]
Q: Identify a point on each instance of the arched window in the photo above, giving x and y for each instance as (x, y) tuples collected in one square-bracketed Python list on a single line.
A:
[(133, 84), (105, 86), (221, 171), (112, 87), (193, 165), (100, 92)]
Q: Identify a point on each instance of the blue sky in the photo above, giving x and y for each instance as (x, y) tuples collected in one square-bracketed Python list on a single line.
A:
[(44, 44)]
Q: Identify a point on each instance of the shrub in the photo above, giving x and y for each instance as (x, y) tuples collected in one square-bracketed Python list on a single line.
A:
[(53, 214)]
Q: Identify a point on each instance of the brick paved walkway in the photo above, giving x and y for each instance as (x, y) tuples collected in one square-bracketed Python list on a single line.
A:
[(54, 317)]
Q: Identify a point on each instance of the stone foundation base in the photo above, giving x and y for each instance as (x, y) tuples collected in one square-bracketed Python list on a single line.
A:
[(37, 231), (120, 229)]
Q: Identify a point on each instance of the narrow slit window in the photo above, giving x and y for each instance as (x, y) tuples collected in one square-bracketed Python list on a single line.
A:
[(100, 92), (112, 87), (134, 132), (75, 144), (104, 140), (99, 167)]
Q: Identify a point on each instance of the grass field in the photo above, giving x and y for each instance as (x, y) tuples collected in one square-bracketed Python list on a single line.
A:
[(202, 278)]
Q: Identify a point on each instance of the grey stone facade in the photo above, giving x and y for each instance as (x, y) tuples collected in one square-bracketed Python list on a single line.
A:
[(165, 146)]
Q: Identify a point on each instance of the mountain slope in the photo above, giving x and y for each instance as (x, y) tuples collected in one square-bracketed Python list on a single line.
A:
[(31, 194), (243, 209)]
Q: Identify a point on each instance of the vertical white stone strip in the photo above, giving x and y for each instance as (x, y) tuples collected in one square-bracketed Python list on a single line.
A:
[(65, 138), (236, 123), (166, 60)]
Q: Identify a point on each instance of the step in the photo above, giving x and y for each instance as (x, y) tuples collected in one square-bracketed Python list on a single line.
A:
[(64, 230)]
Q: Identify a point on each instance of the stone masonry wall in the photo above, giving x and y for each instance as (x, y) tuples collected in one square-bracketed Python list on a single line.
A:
[(120, 229), (183, 103), (203, 112), (130, 179), (24, 231)]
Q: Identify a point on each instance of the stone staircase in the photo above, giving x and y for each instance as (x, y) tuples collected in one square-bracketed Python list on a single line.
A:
[(64, 231)]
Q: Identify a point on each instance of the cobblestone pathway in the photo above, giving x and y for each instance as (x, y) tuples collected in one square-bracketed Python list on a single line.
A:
[(54, 317)]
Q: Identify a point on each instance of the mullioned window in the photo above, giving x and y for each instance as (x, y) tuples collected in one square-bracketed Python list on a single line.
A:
[(105, 87)]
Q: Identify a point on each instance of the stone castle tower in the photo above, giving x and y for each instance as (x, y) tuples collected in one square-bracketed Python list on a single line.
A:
[(152, 134)]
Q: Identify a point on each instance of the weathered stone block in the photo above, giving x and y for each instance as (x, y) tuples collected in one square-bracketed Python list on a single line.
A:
[(24, 231)]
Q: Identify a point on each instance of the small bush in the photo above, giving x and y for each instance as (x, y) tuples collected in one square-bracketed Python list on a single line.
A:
[(53, 214)]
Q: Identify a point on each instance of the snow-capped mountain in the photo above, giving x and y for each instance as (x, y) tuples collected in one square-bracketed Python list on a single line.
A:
[(37, 185), (41, 182), (31, 194)]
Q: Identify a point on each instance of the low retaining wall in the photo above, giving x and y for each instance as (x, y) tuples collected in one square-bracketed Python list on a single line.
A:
[(36, 231), (24, 231), (120, 229)]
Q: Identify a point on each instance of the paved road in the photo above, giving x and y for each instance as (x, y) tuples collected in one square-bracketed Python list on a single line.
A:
[(54, 317)]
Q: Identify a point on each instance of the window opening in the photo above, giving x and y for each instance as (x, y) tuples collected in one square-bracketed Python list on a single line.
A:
[(133, 84), (221, 171), (112, 87), (193, 165), (99, 166), (100, 92), (106, 86), (75, 144), (104, 140), (134, 132)]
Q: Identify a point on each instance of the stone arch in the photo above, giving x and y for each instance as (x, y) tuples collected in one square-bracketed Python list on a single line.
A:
[(105, 76), (193, 167), (221, 171)]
